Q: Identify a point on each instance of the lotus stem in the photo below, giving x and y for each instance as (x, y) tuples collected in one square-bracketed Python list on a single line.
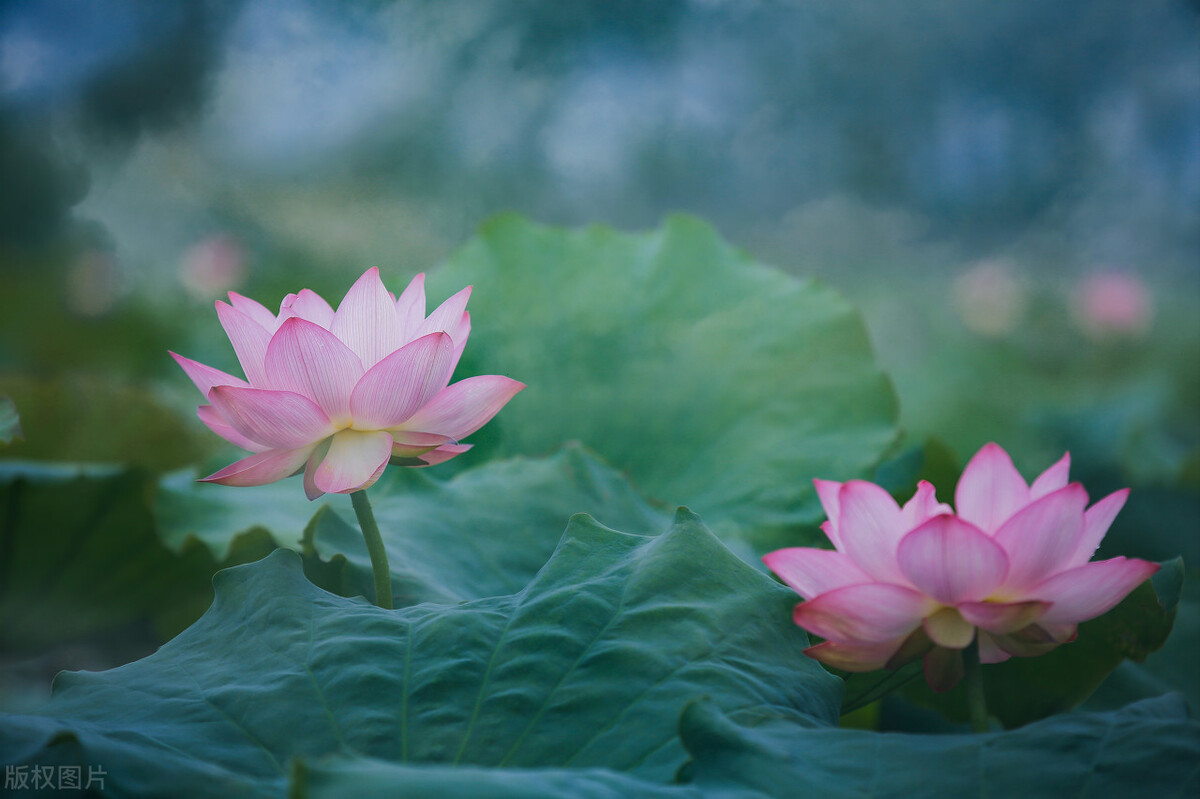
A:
[(973, 683), (379, 561)]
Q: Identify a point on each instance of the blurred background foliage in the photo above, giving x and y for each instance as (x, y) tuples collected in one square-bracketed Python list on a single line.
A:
[(1010, 192)]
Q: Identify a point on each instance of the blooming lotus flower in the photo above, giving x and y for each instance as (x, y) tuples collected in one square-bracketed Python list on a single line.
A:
[(1112, 304), (1011, 566), (340, 394)]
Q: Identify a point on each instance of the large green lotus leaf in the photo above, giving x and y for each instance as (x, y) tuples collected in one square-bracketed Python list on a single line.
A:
[(370, 778), (483, 532), (219, 517), (1172, 668), (486, 532), (80, 557), (1148, 749), (712, 380), (589, 666)]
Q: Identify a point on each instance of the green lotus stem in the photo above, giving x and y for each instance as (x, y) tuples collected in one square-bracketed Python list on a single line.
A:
[(379, 560), (973, 683)]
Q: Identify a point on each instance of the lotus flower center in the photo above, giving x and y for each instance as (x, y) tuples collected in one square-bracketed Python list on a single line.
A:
[(948, 628)]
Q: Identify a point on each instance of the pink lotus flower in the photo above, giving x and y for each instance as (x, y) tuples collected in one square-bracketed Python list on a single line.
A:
[(340, 394), (1011, 566), (1112, 304)]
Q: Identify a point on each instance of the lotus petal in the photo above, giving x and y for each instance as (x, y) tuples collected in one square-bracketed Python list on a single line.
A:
[(309, 306), (448, 317), (255, 310), (1030, 641), (216, 422), (443, 453), (311, 491), (277, 419), (205, 377), (249, 340), (1002, 617), (307, 359), (1096, 521), (989, 651), (827, 492), (395, 388), (811, 572), (460, 335), (1089, 590), (410, 308), (366, 320), (261, 468), (869, 613), (948, 628), (870, 527), (922, 506), (407, 444), (1052, 479), (951, 560), (990, 489), (1040, 537), (462, 408), (354, 461), (854, 657)]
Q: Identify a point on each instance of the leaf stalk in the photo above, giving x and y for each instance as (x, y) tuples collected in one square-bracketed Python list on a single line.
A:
[(379, 560), (973, 683)]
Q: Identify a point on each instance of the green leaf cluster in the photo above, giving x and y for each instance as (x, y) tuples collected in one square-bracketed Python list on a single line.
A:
[(643, 652), (561, 689)]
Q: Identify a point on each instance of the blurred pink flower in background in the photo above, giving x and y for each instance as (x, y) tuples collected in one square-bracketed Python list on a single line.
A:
[(1112, 304), (1010, 565), (212, 266), (340, 394), (990, 298)]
